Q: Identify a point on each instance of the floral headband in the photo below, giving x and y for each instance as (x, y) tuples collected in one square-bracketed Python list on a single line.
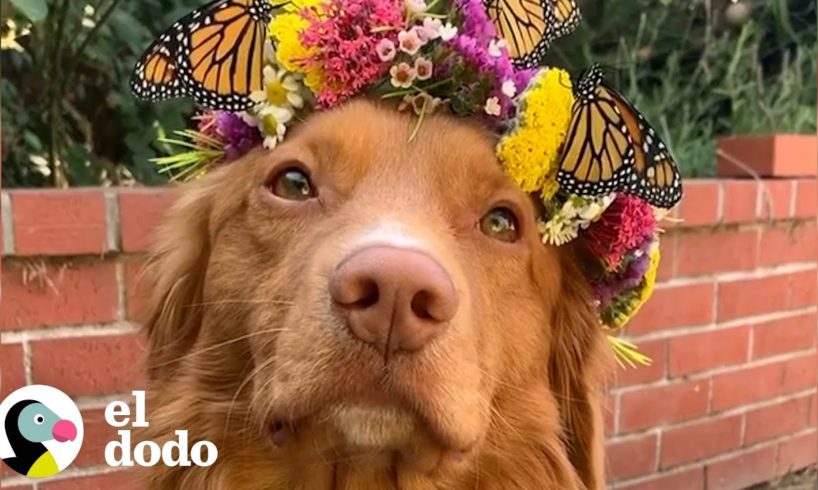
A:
[(603, 175)]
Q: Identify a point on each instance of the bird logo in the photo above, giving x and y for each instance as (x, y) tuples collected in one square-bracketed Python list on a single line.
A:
[(41, 431)]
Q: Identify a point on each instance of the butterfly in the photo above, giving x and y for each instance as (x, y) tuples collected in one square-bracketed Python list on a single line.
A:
[(610, 147), (214, 54), (529, 26)]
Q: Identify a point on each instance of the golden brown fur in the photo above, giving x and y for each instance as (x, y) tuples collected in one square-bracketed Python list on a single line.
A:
[(244, 338)]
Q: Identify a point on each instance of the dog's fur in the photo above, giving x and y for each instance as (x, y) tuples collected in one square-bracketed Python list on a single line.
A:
[(247, 350)]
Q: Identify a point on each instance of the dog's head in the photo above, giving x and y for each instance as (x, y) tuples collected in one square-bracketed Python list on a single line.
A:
[(355, 296)]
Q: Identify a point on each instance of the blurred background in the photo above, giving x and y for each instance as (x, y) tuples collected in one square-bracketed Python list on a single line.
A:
[(698, 69)]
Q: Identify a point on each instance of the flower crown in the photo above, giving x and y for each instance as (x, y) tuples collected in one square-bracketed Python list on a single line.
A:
[(604, 177)]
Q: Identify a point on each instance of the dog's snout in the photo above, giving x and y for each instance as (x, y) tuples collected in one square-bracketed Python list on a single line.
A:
[(394, 298)]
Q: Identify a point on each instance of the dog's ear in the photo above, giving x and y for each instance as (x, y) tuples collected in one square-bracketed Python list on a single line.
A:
[(175, 273), (576, 369)]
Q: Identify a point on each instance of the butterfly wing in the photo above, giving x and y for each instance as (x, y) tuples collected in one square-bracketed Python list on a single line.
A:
[(155, 76), (598, 154), (658, 180), (217, 54), (611, 148), (529, 26)]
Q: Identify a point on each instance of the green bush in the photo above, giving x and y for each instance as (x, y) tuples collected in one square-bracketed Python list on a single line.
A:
[(67, 112), (69, 118), (697, 74)]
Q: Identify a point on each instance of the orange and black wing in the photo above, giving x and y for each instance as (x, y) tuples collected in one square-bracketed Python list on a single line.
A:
[(217, 55), (529, 26), (610, 147)]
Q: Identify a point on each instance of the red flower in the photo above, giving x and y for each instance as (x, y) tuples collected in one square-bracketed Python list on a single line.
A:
[(625, 225)]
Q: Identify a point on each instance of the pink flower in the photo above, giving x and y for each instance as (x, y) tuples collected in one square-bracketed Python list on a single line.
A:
[(386, 50), (402, 75), (423, 67), (409, 42), (432, 27), (625, 225), (343, 39)]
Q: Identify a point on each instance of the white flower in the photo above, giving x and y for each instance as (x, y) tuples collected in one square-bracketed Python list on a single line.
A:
[(280, 90), (496, 47), (509, 89), (423, 68), (273, 124), (492, 106), (415, 6), (447, 32), (557, 231), (409, 41), (402, 75)]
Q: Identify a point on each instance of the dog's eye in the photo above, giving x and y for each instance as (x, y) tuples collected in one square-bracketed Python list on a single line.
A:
[(500, 223), (292, 184)]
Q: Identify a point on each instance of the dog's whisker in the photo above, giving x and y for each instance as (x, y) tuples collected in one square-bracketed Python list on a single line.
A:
[(219, 345)]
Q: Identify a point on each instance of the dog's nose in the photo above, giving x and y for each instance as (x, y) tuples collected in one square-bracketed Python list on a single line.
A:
[(394, 298)]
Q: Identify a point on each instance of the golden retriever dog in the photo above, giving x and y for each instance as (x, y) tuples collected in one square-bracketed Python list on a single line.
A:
[(354, 310)]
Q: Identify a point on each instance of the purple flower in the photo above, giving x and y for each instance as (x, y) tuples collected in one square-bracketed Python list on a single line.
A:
[(475, 22), (239, 137)]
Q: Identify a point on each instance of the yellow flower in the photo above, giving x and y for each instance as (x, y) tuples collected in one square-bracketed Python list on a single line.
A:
[(530, 153), (286, 29)]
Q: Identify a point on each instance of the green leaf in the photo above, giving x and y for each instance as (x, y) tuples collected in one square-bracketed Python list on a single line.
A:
[(34, 10)]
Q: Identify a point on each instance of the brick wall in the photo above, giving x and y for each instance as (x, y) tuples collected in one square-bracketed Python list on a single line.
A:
[(729, 401)]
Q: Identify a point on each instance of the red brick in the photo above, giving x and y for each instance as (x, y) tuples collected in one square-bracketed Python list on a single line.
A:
[(742, 470), (776, 199), (748, 297), (803, 289), (675, 306), (667, 264), (609, 415), (746, 385), (89, 365), (707, 350), (140, 211), (806, 198), (63, 295), (788, 417), (700, 440), (709, 252), (136, 288), (797, 452), (12, 372), (740, 201), (657, 351), (813, 412), (800, 373), (654, 406), (788, 244), (631, 457), (692, 479), (700, 205), (97, 435), (61, 222), (784, 335), (120, 480)]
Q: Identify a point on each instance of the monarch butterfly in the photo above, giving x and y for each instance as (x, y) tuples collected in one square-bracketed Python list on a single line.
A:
[(529, 26), (215, 54), (611, 147)]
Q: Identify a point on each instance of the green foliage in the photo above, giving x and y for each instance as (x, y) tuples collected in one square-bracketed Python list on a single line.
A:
[(68, 115), (698, 73)]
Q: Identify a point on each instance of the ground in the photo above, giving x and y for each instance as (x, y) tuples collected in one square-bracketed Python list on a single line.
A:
[(801, 480)]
